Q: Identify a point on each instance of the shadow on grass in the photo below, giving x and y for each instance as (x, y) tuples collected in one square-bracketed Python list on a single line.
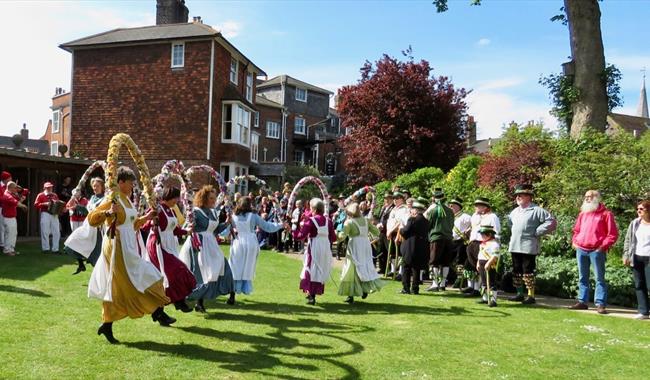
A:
[(31, 263), (266, 353), (359, 308), (30, 292)]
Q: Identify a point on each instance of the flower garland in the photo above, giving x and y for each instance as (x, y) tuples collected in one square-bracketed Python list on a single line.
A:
[(300, 184), (117, 142), (258, 181), (175, 169), (366, 191), (223, 187), (78, 191)]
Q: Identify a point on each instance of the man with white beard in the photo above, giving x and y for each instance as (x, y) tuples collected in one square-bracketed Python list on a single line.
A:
[(529, 223), (593, 234)]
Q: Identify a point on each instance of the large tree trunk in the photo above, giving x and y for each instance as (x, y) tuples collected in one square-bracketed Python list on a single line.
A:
[(589, 57)]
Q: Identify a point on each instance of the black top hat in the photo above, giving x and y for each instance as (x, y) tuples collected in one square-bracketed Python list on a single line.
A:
[(524, 189), (482, 201), (457, 201), (438, 193), (487, 230)]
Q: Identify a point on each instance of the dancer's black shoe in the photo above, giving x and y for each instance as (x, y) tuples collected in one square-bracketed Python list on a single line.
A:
[(182, 306), (364, 296), (80, 268), (107, 330), (199, 308), (162, 318), (231, 299), (349, 300)]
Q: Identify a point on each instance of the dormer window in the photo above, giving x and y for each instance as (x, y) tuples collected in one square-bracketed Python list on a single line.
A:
[(178, 54), (234, 66), (301, 94)]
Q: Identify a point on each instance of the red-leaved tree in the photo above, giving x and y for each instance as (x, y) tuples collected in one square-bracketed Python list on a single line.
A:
[(399, 118)]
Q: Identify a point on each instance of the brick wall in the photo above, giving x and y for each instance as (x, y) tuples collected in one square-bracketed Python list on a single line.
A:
[(134, 90)]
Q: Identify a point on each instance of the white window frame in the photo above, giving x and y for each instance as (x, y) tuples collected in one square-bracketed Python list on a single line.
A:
[(240, 123), (304, 126), (256, 118), (302, 155), (235, 170), (255, 147), (298, 89), (276, 128), (234, 74), (249, 87), (182, 63), (56, 121), (54, 148)]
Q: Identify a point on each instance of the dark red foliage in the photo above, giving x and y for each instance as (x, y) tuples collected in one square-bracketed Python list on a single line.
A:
[(522, 163), (399, 118)]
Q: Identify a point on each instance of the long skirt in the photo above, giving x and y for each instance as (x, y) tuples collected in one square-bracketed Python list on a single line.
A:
[(352, 286), (224, 285), (306, 284), (181, 281)]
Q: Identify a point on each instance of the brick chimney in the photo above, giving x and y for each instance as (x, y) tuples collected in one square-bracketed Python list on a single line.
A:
[(171, 12), (471, 131), (24, 132)]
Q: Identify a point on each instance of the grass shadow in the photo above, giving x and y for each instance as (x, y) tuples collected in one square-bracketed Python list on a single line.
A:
[(22, 267), (29, 292)]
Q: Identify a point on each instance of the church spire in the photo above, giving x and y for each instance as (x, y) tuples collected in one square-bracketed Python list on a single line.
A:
[(642, 108)]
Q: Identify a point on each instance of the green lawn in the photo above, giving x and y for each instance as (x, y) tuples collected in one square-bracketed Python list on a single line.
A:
[(48, 331)]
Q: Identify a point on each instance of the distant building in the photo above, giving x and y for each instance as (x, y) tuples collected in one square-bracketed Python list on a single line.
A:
[(475, 146), (308, 129), (21, 142), (636, 125), (58, 132)]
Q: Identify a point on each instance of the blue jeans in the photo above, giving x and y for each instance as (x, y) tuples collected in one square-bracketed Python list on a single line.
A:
[(641, 271), (597, 259)]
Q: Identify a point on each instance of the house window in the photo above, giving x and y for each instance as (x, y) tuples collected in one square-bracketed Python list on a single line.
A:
[(256, 124), (236, 124), (301, 94), (243, 185), (225, 172), (54, 148), (299, 157), (234, 65), (255, 142), (299, 126), (272, 130), (232, 169), (249, 87), (55, 121), (178, 54)]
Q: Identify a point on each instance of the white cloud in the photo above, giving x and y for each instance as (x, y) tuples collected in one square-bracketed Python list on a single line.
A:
[(229, 28), (483, 42), (492, 110)]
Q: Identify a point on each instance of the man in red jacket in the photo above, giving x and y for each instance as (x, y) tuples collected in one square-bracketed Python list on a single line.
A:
[(49, 222), (593, 234), (5, 178), (10, 201)]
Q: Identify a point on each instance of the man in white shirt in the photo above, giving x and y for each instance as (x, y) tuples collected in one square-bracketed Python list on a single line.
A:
[(460, 238), (396, 219)]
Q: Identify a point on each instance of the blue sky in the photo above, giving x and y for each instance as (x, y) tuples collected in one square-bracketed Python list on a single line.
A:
[(498, 50)]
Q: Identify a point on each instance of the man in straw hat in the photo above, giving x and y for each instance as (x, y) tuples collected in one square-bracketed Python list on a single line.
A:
[(396, 219), (441, 225), (49, 223), (483, 216), (460, 237), (529, 223)]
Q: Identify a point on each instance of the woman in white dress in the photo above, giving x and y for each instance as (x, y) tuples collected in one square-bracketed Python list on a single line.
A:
[(359, 277), (245, 247)]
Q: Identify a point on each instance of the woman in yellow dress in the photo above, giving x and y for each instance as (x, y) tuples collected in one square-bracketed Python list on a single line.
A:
[(127, 284)]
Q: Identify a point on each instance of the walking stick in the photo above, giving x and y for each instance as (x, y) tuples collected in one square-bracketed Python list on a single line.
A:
[(390, 245), (488, 289)]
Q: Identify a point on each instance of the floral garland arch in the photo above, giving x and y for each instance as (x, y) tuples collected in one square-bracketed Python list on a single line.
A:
[(223, 188), (78, 191), (118, 142), (303, 181), (258, 181), (174, 169)]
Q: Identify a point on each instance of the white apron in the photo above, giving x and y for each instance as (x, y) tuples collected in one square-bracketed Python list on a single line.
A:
[(83, 239), (321, 255), (361, 254), (244, 250), (210, 258), (142, 273)]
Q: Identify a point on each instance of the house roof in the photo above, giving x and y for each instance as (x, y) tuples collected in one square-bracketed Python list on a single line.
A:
[(40, 146), (192, 30), (232, 93), (629, 123), (262, 101), (6, 151), (276, 81), (484, 146)]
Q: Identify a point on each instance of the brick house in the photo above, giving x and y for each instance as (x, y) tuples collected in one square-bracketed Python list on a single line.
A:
[(58, 132), (309, 127), (181, 90)]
